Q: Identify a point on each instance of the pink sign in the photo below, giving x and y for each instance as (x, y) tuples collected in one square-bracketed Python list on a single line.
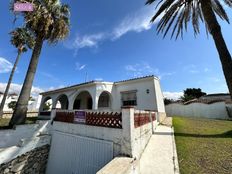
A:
[(80, 117), (23, 7)]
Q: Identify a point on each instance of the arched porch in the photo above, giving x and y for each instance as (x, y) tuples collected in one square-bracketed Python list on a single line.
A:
[(46, 105), (62, 102), (104, 101), (83, 101)]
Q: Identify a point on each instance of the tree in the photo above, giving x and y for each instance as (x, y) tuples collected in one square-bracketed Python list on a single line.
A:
[(49, 21), (192, 93), (168, 101), (31, 98), (180, 12), (47, 106), (12, 105), (22, 39)]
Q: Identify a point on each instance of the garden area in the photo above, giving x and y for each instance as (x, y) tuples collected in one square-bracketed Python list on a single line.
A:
[(204, 146)]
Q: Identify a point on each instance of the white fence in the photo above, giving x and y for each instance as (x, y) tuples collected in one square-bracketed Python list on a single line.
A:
[(8, 114), (25, 138), (128, 139), (12, 137), (77, 154), (216, 110)]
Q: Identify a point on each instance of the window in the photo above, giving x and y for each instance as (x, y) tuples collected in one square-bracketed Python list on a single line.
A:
[(129, 98)]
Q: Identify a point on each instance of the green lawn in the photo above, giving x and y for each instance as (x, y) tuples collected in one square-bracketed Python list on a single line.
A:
[(204, 146), (5, 121)]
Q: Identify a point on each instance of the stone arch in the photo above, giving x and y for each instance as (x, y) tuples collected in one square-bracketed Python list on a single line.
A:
[(62, 102), (105, 100), (46, 104), (83, 100)]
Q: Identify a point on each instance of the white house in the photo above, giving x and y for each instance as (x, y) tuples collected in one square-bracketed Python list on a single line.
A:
[(13, 97), (143, 93), (10, 98)]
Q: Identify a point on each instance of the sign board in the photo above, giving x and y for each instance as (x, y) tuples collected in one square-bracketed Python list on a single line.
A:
[(23, 7), (80, 117)]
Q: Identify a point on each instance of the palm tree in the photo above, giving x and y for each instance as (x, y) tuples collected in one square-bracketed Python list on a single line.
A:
[(22, 40), (180, 12), (48, 21)]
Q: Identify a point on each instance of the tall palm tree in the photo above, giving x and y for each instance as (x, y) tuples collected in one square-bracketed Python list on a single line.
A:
[(22, 39), (180, 12), (49, 21)]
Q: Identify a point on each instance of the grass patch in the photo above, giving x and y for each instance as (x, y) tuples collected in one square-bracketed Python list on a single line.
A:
[(204, 146), (5, 121)]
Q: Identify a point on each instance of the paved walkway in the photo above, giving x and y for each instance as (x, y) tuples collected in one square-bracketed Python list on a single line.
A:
[(159, 155)]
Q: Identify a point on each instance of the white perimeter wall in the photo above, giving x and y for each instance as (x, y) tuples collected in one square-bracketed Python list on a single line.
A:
[(215, 110), (142, 136), (129, 141), (102, 133), (11, 137)]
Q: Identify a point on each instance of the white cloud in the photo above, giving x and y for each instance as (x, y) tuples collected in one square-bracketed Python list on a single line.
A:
[(140, 69), (54, 88), (5, 65), (215, 79), (143, 69), (51, 77), (136, 22), (99, 79), (206, 69), (193, 69), (173, 95), (79, 66), (16, 88), (91, 40)]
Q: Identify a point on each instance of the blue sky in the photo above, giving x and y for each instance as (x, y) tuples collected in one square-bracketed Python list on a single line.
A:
[(111, 41)]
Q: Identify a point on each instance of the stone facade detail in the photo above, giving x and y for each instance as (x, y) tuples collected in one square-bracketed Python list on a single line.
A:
[(34, 161)]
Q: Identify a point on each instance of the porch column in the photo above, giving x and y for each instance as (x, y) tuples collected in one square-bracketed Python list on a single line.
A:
[(41, 104), (54, 102), (128, 131), (95, 103)]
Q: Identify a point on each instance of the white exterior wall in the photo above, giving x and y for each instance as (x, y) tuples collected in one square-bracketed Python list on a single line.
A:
[(108, 87), (215, 110), (159, 97), (145, 101), (71, 94)]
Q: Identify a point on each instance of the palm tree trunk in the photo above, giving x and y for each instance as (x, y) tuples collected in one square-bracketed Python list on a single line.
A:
[(215, 31), (9, 82), (19, 115)]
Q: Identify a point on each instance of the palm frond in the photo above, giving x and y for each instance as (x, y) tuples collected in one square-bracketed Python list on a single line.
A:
[(50, 19), (175, 15), (22, 39)]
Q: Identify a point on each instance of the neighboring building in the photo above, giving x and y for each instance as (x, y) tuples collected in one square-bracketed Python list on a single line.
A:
[(33, 105), (143, 93), (218, 96), (11, 97)]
